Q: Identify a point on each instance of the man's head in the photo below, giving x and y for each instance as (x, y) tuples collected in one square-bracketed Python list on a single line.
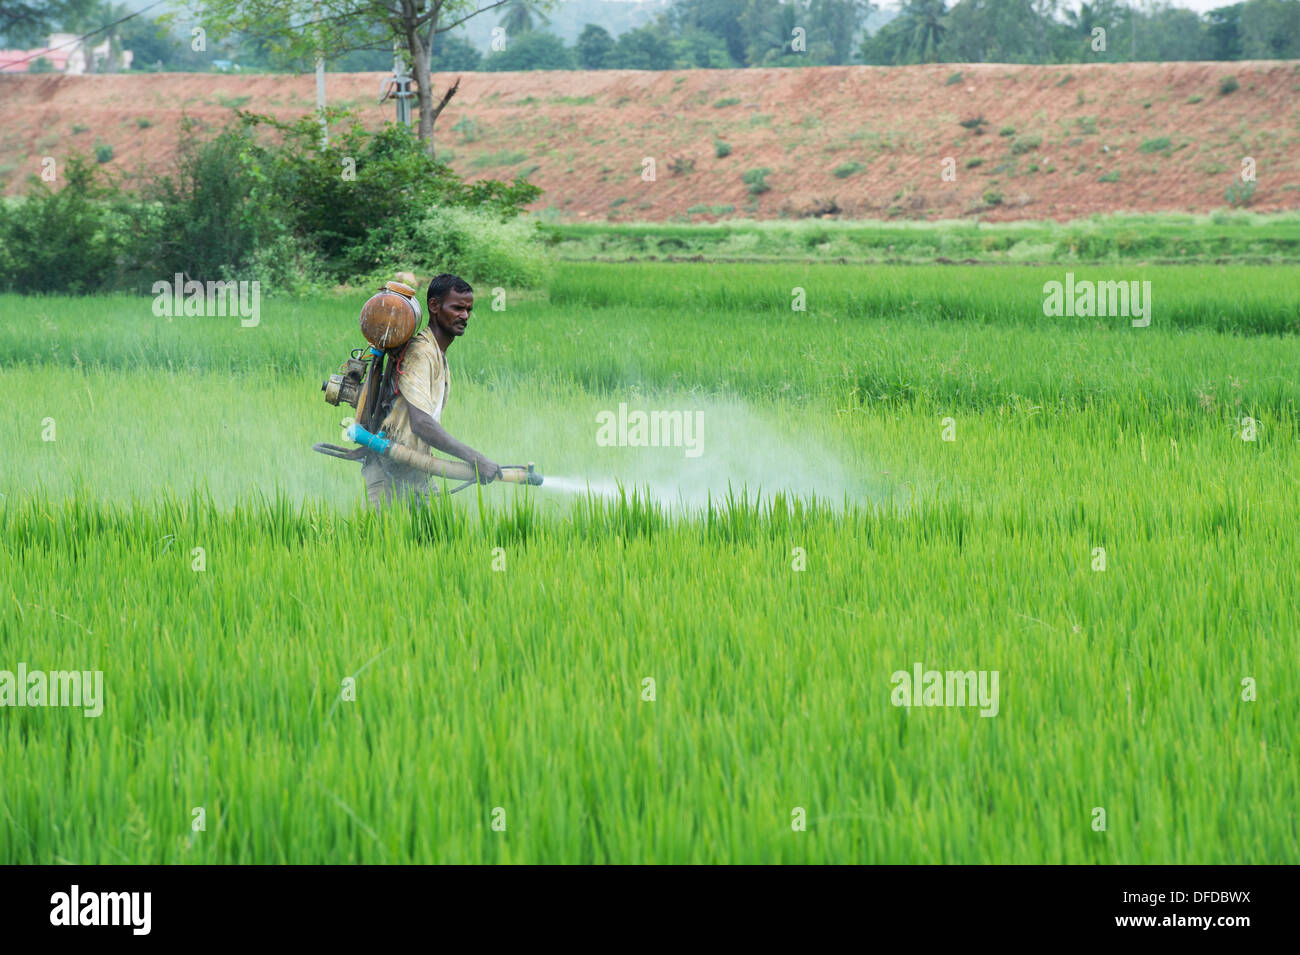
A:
[(450, 299)]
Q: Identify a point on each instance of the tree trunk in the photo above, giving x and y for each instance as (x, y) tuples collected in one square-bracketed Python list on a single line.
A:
[(421, 53)]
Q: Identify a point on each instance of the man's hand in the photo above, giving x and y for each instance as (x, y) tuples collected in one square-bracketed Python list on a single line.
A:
[(434, 434), (488, 470)]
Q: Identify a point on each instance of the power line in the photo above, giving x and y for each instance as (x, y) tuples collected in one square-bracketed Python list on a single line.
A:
[(87, 36)]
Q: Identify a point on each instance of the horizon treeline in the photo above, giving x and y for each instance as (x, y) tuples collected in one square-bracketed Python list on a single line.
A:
[(729, 34)]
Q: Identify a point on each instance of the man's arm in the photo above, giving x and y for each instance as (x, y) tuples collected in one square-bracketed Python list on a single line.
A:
[(434, 434)]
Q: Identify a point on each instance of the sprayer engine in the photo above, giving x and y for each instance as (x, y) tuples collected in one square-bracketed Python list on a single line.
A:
[(345, 386)]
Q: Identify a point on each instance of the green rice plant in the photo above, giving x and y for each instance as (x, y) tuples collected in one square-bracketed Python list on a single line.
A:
[(213, 579)]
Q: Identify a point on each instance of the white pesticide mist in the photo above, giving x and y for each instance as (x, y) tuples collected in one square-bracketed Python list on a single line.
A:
[(736, 450)]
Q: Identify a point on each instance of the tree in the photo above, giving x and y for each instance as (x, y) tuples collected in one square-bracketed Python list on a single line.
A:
[(769, 31), (833, 25), (300, 29), (453, 54), (719, 17), (27, 24), (533, 50), (701, 50), (1223, 27), (517, 17), (645, 48), (594, 47), (1270, 29), (914, 36)]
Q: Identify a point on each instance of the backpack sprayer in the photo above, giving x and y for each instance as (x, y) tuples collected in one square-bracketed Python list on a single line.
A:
[(389, 319)]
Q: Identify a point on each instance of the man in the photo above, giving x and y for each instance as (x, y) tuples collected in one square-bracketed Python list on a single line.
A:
[(415, 407)]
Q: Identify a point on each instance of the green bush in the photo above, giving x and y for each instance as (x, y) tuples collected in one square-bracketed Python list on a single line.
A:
[(1025, 144), (728, 101), (478, 245), (1227, 85), (1109, 177), (992, 197), (1157, 145), (974, 162), (953, 79), (756, 180), (1240, 193), (77, 236), (103, 152), (720, 149), (263, 200), (848, 169)]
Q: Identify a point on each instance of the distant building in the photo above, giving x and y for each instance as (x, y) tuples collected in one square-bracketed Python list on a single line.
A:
[(67, 54)]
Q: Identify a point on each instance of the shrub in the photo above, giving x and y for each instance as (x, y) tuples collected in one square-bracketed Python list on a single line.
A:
[(1109, 177), (74, 236), (1025, 144), (992, 197), (278, 208), (953, 79), (974, 124), (1157, 145), (1240, 193), (1007, 131), (104, 152), (1227, 85), (848, 169), (973, 162), (728, 101), (480, 246), (756, 180), (467, 129), (720, 149)]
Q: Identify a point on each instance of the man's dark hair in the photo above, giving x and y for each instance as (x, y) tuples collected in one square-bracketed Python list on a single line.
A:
[(440, 285)]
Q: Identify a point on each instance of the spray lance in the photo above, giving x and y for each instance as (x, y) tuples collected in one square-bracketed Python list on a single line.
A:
[(389, 319)]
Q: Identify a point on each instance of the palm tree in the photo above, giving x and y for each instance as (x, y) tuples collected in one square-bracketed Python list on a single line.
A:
[(927, 32), (518, 17)]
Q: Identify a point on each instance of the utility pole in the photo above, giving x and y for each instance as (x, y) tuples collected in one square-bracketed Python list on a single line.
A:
[(398, 87)]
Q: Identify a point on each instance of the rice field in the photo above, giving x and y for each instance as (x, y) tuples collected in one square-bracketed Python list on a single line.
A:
[(658, 657)]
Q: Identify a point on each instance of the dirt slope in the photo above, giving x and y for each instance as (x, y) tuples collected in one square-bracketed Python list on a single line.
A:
[(1057, 142)]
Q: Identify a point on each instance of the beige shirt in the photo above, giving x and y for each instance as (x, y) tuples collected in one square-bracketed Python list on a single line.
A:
[(423, 381)]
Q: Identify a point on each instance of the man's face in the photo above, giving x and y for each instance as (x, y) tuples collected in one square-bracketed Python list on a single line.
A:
[(452, 315)]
